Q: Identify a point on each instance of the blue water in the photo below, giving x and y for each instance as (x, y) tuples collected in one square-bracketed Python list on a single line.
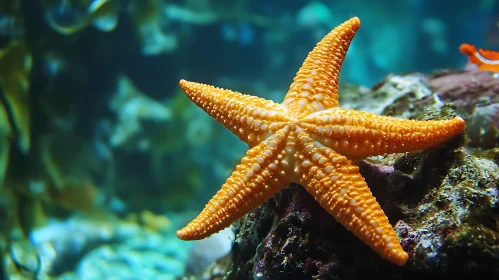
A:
[(172, 156)]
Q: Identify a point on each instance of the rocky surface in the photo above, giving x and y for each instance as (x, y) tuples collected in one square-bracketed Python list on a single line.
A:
[(443, 202)]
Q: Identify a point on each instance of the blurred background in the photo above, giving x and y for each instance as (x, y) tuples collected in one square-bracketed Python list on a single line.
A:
[(103, 158)]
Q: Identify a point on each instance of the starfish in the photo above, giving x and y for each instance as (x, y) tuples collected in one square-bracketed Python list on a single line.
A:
[(311, 141)]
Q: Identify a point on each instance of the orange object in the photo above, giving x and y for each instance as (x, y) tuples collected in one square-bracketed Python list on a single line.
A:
[(485, 60), (309, 140)]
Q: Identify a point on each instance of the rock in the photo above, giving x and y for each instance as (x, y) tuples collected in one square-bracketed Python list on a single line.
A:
[(443, 202), (445, 223)]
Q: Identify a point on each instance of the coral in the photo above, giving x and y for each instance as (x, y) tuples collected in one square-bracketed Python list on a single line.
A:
[(122, 262), (83, 247)]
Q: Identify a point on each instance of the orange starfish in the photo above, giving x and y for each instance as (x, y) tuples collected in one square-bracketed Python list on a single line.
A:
[(308, 139)]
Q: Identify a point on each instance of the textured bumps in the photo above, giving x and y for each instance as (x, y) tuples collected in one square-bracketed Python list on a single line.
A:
[(309, 140)]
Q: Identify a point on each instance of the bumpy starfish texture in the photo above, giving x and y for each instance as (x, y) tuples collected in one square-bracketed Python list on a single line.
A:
[(309, 140)]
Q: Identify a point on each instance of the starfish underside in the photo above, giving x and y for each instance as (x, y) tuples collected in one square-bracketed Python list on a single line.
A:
[(309, 140)]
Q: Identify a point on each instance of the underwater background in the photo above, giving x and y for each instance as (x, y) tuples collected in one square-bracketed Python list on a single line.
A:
[(103, 157)]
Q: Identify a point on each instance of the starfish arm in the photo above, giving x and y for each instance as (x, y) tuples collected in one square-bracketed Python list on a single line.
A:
[(251, 118), (336, 183), (255, 180), (360, 134), (315, 86)]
